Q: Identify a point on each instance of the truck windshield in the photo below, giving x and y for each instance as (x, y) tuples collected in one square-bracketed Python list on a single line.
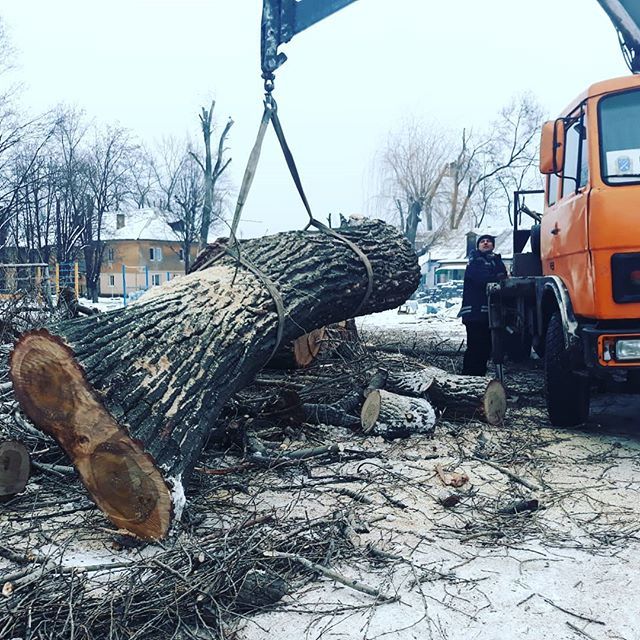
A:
[(620, 138)]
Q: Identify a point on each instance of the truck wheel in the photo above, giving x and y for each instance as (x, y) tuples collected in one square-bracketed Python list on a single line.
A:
[(567, 393)]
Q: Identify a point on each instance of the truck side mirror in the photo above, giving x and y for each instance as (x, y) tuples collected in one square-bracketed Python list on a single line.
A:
[(552, 147)]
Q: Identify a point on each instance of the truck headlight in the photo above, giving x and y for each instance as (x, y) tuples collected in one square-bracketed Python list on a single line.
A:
[(628, 350)]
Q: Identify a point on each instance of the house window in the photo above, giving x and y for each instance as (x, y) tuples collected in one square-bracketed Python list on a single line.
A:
[(119, 220), (155, 279), (155, 254), (181, 254), (112, 281), (111, 255)]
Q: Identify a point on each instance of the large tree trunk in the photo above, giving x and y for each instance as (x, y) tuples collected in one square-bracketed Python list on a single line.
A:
[(131, 395)]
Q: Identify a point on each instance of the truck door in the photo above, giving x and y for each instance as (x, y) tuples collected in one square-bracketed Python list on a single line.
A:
[(564, 238)]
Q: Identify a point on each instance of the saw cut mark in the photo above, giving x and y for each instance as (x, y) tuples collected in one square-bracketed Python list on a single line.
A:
[(120, 476)]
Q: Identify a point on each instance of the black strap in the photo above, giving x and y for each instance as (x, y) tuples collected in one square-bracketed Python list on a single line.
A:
[(270, 114)]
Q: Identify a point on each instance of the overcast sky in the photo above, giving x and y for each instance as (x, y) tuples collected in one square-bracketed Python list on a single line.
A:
[(150, 65)]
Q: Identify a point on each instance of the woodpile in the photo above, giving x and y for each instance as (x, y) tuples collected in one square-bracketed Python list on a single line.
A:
[(399, 404)]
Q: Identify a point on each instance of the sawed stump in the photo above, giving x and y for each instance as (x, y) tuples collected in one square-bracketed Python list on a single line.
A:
[(131, 395)]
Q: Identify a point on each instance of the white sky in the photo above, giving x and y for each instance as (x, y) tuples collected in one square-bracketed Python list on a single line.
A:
[(151, 64)]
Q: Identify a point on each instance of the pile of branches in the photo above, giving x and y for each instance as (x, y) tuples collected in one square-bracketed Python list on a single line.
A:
[(193, 589)]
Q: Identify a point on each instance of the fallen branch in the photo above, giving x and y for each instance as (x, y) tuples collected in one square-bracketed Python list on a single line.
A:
[(329, 573), (510, 474)]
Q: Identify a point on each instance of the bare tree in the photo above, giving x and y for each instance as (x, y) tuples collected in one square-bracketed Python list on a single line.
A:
[(143, 177), (413, 164), (189, 198), (22, 140), (181, 181), (107, 166), (428, 177), (71, 184), (211, 172), (509, 149), (166, 161)]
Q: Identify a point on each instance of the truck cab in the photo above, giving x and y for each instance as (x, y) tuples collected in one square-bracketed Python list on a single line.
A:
[(576, 295)]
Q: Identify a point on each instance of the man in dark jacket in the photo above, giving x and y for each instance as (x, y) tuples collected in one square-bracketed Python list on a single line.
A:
[(484, 267)]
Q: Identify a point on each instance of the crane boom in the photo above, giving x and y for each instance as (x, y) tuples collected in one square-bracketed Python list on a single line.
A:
[(283, 19), (625, 15)]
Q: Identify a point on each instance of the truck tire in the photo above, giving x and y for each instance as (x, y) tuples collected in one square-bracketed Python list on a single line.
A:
[(566, 393)]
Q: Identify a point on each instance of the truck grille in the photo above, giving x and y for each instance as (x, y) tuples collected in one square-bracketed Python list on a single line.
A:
[(625, 276)]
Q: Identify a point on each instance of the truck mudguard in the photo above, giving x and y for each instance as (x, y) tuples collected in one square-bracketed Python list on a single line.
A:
[(552, 294)]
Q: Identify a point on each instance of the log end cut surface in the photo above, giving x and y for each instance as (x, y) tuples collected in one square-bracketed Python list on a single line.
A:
[(122, 479), (370, 411), (15, 467), (307, 347), (495, 402)]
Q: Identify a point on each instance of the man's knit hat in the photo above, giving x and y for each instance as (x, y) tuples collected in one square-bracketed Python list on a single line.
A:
[(486, 236)]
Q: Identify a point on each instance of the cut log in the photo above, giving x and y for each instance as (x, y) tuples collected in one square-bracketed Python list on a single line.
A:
[(392, 416), (456, 396), (299, 353), (317, 345), (15, 466), (132, 395)]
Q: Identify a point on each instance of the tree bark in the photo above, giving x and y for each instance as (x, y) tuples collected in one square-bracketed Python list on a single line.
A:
[(131, 395), (393, 416), (457, 396)]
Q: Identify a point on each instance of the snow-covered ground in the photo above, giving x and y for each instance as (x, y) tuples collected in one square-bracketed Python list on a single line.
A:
[(569, 570), (103, 304)]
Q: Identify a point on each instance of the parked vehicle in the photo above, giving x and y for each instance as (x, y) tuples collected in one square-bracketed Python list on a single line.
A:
[(575, 296)]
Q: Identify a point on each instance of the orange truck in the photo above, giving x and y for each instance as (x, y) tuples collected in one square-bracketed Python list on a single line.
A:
[(575, 294)]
